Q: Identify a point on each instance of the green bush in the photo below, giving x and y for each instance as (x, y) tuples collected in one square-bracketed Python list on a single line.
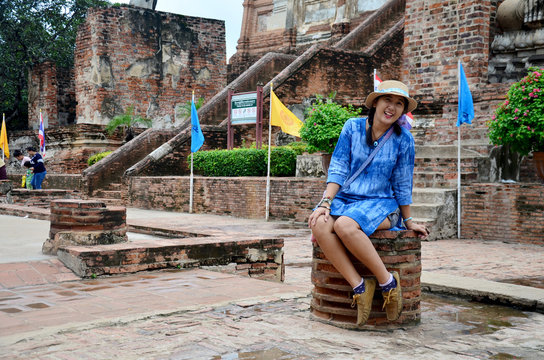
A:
[(245, 162), (237, 162), (97, 157), (323, 123), (298, 147), (518, 121), (283, 161)]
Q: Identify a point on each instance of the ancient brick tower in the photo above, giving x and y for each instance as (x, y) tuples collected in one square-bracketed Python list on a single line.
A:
[(130, 56)]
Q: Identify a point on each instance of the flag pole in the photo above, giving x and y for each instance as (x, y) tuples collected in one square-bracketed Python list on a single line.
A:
[(3, 145), (458, 152), (269, 149), (191, 178)]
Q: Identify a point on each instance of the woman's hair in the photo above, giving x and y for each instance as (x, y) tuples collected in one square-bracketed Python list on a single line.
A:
[(396, 127), (31, 148)]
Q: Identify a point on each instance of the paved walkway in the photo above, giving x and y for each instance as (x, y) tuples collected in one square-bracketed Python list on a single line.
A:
[(47, 312)]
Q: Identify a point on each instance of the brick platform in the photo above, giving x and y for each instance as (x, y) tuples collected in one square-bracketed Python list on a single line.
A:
[(332, 295), (261, 258)]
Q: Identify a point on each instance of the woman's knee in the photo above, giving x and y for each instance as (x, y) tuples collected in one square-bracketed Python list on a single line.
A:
[(321, 226), (346, 227)]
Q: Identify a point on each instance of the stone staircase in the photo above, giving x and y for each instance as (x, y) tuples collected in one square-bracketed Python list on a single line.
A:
[(437, 209), (435, 184)]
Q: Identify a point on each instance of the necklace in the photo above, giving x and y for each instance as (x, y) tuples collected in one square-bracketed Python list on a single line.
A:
[(375, 138)]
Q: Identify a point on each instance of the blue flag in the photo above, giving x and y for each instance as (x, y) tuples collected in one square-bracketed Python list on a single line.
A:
[(197, 138), (465, 108)]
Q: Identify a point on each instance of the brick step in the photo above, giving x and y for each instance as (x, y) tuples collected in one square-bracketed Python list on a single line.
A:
[(445, 152), (436, 179), (446, 164), (108, 194), (110, 201), (114, 186), (261, 257)]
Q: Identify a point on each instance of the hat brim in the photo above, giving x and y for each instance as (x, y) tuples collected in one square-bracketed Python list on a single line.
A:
[(412, 104)]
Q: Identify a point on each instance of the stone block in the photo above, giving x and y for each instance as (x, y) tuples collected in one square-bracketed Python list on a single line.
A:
[(309, 165)]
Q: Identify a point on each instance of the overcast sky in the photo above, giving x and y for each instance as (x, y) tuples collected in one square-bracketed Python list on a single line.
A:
[(230, 11)]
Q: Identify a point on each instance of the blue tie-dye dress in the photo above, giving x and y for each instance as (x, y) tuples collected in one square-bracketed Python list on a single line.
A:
[(385, 183)]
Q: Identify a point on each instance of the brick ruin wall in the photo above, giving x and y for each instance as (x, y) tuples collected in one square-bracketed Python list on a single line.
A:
[(147, 59), (436, 35), (291, 26), (516, 209), (51, 89), (67, 147), (503, 212), (290, 199)]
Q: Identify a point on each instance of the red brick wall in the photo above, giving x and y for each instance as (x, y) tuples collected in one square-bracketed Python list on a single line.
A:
[(290, 199), (42, 94), (151, 60), (329, 70), (437, 34), (52, 90), (507, 212)]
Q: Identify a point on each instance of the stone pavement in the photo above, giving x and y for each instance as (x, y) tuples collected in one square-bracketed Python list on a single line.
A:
[(48, 313)]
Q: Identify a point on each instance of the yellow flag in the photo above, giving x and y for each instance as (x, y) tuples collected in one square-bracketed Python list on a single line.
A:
[(4, 139), (281, 116)]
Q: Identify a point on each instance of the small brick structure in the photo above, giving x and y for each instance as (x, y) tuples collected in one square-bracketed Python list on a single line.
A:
[(332, 295), (84, 222)]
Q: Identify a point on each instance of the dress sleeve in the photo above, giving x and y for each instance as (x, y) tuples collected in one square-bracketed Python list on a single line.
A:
[(403, 173), (340, 168)]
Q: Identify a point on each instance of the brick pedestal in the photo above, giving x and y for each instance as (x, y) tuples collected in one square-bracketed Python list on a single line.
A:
[(332, 295), (84, 222)]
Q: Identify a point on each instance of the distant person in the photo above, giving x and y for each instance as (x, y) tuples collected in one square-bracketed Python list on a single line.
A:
[(3, 172), (38, 166), (19, 156), (28, 177)]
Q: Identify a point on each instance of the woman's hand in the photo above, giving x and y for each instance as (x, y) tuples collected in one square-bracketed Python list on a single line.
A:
[(319, 211), (421, 230)]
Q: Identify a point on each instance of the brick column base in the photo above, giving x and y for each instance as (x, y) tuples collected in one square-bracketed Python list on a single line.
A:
[(332, 295), (84, 222)]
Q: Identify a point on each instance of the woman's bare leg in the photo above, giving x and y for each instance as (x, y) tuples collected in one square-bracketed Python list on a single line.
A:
[(334, 250), (360, 246)]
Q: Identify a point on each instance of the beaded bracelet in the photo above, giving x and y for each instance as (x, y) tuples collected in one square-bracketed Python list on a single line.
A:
[(406, 220), (325, 200)]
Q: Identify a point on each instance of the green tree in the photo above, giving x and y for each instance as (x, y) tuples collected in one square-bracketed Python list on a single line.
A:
[(34, 31), (127, 121), (185, 109), (323, 123)]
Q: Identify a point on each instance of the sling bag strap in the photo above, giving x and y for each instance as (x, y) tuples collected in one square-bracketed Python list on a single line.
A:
[(368, 160)]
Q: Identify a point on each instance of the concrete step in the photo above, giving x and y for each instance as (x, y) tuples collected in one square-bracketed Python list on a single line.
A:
[(436, 208), (429, 195), (425, 210)]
